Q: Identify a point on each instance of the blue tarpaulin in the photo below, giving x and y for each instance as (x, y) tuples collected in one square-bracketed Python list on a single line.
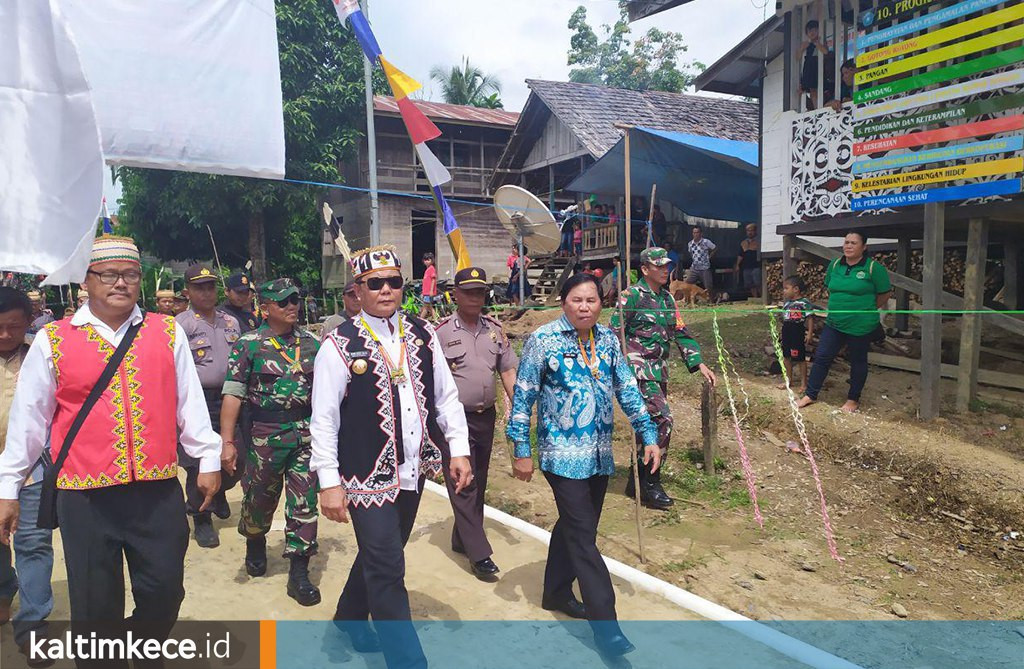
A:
[(707, 177)]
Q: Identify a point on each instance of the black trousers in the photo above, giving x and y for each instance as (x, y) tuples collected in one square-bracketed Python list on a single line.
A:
[(468, 534), (143, 523), (376, 582), (194, 498), (572, 553)]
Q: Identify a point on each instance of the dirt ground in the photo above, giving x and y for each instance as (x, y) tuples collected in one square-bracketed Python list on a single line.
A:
[(922, 512)]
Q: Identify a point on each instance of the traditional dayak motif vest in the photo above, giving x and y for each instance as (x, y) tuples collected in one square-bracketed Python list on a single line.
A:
[(370, 441), (131, 433)]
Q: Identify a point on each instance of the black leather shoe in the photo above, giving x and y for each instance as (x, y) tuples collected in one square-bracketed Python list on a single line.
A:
[(653, 495), (570, 606), (362, 636), (220, 507), (300, 588), (205, 533), (256, 556), (485, 569), (614, 645)]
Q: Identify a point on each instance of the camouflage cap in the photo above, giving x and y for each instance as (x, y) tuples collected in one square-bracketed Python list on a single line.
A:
[(278, 289), (656, 256)]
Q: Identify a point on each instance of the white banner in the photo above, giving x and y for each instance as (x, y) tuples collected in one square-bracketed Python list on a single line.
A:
[(190, 85), (51, 166)]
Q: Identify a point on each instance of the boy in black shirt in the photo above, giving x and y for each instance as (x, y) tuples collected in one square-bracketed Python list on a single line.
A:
[(797, 328)]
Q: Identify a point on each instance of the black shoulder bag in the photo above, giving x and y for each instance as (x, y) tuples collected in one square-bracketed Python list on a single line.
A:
[(48, 502)]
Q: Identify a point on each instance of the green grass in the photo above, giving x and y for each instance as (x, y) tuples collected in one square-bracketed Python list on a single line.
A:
[(686, 565), (510, 506), (998, 407)]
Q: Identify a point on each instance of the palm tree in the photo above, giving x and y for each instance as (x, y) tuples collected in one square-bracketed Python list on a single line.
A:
[(467, 85)]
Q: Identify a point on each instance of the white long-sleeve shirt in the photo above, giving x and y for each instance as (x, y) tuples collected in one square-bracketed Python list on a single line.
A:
[(330, 383), (35, 403)]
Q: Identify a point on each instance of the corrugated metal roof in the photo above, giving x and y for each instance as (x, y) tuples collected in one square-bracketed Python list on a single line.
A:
[(440, 111)]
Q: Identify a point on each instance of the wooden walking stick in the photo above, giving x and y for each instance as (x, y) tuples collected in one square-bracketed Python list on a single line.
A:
[(650, 217), (634, 461)]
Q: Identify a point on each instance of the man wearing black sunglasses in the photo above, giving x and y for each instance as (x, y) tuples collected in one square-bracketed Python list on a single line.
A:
[(383, 401), (271, 369)]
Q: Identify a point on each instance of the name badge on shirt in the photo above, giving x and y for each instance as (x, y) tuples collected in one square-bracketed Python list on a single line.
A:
[(455, 342), (359, 354)]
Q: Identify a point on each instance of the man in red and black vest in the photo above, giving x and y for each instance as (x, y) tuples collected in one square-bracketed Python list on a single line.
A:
[(383, 400), (118, 491)]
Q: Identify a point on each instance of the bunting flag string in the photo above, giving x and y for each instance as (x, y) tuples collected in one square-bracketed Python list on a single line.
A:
[(420, 128), (801, 430), (748, 472)]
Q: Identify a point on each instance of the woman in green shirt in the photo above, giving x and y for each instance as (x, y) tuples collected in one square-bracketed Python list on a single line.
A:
[(858, 287)]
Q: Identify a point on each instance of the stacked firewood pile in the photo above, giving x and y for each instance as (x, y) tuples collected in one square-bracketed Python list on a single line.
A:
[(954, 261)]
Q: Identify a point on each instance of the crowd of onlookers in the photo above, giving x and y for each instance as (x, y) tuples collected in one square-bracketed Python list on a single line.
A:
[(650, 228)]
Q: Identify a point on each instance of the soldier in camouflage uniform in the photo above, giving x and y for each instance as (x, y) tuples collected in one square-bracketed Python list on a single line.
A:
[(271, 368), (652, 322)]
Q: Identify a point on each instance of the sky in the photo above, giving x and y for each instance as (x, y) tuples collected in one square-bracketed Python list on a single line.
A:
[(519, 39)]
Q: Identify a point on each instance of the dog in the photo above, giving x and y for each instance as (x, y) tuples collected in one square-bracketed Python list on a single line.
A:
[(688, 292)]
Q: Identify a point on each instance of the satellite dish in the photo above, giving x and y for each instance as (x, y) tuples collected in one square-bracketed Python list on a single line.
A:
[(527, 219)]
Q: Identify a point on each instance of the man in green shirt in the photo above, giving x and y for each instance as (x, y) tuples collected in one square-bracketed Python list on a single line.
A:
[(651, 323)]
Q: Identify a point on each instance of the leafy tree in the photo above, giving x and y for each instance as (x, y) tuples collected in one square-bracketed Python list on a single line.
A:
[(649, 63), (467, 85), (263, 220)]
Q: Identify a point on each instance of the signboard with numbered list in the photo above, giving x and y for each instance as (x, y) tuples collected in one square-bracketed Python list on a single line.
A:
[(938, 103)]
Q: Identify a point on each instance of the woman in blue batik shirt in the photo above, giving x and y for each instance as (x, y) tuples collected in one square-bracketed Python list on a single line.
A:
[(572, 368)]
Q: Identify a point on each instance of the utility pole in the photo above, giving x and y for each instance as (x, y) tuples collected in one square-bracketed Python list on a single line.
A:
[(371, 142)]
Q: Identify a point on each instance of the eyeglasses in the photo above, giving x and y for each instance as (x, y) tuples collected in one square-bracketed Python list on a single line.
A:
[(291, 299), (110, 277), (377, 282)]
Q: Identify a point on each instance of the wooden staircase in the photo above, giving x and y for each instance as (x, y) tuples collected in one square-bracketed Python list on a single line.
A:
[(546, 275)]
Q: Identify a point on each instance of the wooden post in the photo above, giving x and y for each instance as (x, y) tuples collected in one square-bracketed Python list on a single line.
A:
[(709, 426), (650, 217), (931, 299), (634, 459), (629, 218), (789, 265), (974, 299), (902, 296), (1011, 274), (551, 187)]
